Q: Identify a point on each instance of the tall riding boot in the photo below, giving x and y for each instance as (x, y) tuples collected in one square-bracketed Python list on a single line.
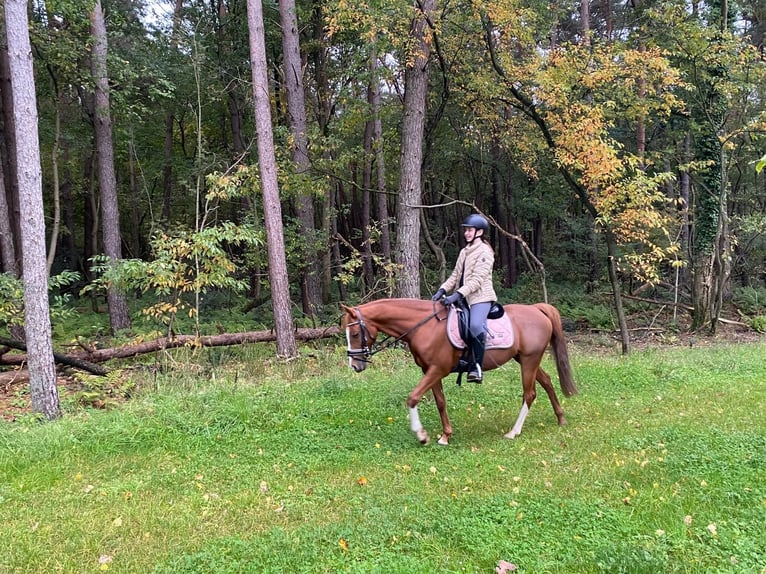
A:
[(477, 346)]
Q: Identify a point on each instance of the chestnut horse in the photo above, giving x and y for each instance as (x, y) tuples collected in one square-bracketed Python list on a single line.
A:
[(423, 326)]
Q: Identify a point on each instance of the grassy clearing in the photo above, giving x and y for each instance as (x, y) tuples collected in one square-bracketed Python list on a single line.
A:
[(240, 464)]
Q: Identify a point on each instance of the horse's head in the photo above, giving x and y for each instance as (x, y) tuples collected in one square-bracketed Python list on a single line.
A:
[(360, 337)]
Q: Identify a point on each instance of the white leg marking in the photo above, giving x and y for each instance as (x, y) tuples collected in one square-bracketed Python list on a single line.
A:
[(516, 430), (415, 425)]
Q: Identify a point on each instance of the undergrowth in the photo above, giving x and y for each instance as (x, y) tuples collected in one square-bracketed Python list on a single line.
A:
[(235, 462)]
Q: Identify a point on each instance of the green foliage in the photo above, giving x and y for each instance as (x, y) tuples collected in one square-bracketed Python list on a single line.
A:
[(305, 466), (586, 311), (751, 305), (750, 300), (102, 392), (578, 309), (185, 263), (758, 323), (528, 289), (12, 298), (350, 272)]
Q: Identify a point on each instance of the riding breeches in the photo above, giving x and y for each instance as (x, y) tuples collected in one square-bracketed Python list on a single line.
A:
[(478, 318)]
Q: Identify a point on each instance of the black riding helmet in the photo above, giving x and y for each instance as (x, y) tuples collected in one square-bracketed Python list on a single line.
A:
[(476, 221)]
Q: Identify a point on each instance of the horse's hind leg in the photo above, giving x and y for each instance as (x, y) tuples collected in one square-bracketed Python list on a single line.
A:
[(529, 366), (545, 381), (441, 405)]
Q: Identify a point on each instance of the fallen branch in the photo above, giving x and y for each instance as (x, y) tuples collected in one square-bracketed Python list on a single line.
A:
[(682, 306), (85, 359), (656, 302), (13, 378)]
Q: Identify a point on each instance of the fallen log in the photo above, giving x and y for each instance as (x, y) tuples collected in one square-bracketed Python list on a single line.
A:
[(80, 363), (87, 359)]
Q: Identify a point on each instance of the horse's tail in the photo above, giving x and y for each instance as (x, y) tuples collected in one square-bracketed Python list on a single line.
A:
[(559, 348)]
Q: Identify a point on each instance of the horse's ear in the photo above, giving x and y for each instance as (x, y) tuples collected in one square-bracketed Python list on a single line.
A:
[(347, 309)]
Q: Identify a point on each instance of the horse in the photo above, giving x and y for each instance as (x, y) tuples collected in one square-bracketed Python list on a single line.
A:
[(422, 326)]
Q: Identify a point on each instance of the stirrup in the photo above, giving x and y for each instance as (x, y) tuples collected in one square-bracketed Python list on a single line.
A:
[(462, 366), (475, 376)]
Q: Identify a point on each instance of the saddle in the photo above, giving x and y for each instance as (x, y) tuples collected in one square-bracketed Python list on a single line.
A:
[(499, 329)]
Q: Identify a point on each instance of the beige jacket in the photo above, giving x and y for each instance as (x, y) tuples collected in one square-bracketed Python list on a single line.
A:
[(474, 263)]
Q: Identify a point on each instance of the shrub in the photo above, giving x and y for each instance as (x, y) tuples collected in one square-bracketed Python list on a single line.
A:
[(758, 323), (750, 300)]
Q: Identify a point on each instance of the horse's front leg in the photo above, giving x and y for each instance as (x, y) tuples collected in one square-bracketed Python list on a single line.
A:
[(441, 404), (417, 427), (430, 378)]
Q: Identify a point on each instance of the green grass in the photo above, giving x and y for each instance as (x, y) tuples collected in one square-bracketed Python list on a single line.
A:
[(238, 463)]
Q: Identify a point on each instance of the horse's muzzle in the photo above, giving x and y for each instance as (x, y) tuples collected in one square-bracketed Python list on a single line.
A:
[(358, 359), (358, 366)]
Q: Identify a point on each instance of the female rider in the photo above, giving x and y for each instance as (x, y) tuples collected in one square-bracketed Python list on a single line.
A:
[(472, 280)]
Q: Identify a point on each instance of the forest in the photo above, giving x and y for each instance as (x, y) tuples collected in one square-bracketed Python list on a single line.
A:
[(175, 157)]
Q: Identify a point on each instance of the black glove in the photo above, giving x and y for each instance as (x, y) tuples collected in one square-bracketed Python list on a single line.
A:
[(454, 298), (438, 295)]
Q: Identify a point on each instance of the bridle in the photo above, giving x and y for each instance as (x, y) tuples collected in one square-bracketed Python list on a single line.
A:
[(365, 352)]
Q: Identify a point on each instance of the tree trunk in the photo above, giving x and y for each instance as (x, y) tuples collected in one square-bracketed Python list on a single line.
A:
[(641, 120), (380, 161), (325, 203), (56, 211), (684, 185), (71, 256), (709, 201), (135, 201), (167, 168), (118, 306), (7, 253), (42, 371), (296, 112), (585, 21), (611, 249), (90, 216), (280, 289), (13, 262), (410, 192), (367, 267), (722, 251), (608, 19), (335, 250)]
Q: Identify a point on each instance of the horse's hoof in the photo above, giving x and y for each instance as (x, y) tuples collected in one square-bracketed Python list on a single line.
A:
[(443, 440), (563, 422), (423, 436), (511, 435)]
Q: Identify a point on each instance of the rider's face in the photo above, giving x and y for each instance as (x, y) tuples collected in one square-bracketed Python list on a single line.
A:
[(469, 233)]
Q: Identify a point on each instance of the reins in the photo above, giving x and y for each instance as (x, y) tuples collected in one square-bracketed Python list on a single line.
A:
[(365, 353)]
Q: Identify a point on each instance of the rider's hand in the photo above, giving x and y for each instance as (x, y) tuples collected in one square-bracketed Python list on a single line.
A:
[(454, 298), (438, 295)]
